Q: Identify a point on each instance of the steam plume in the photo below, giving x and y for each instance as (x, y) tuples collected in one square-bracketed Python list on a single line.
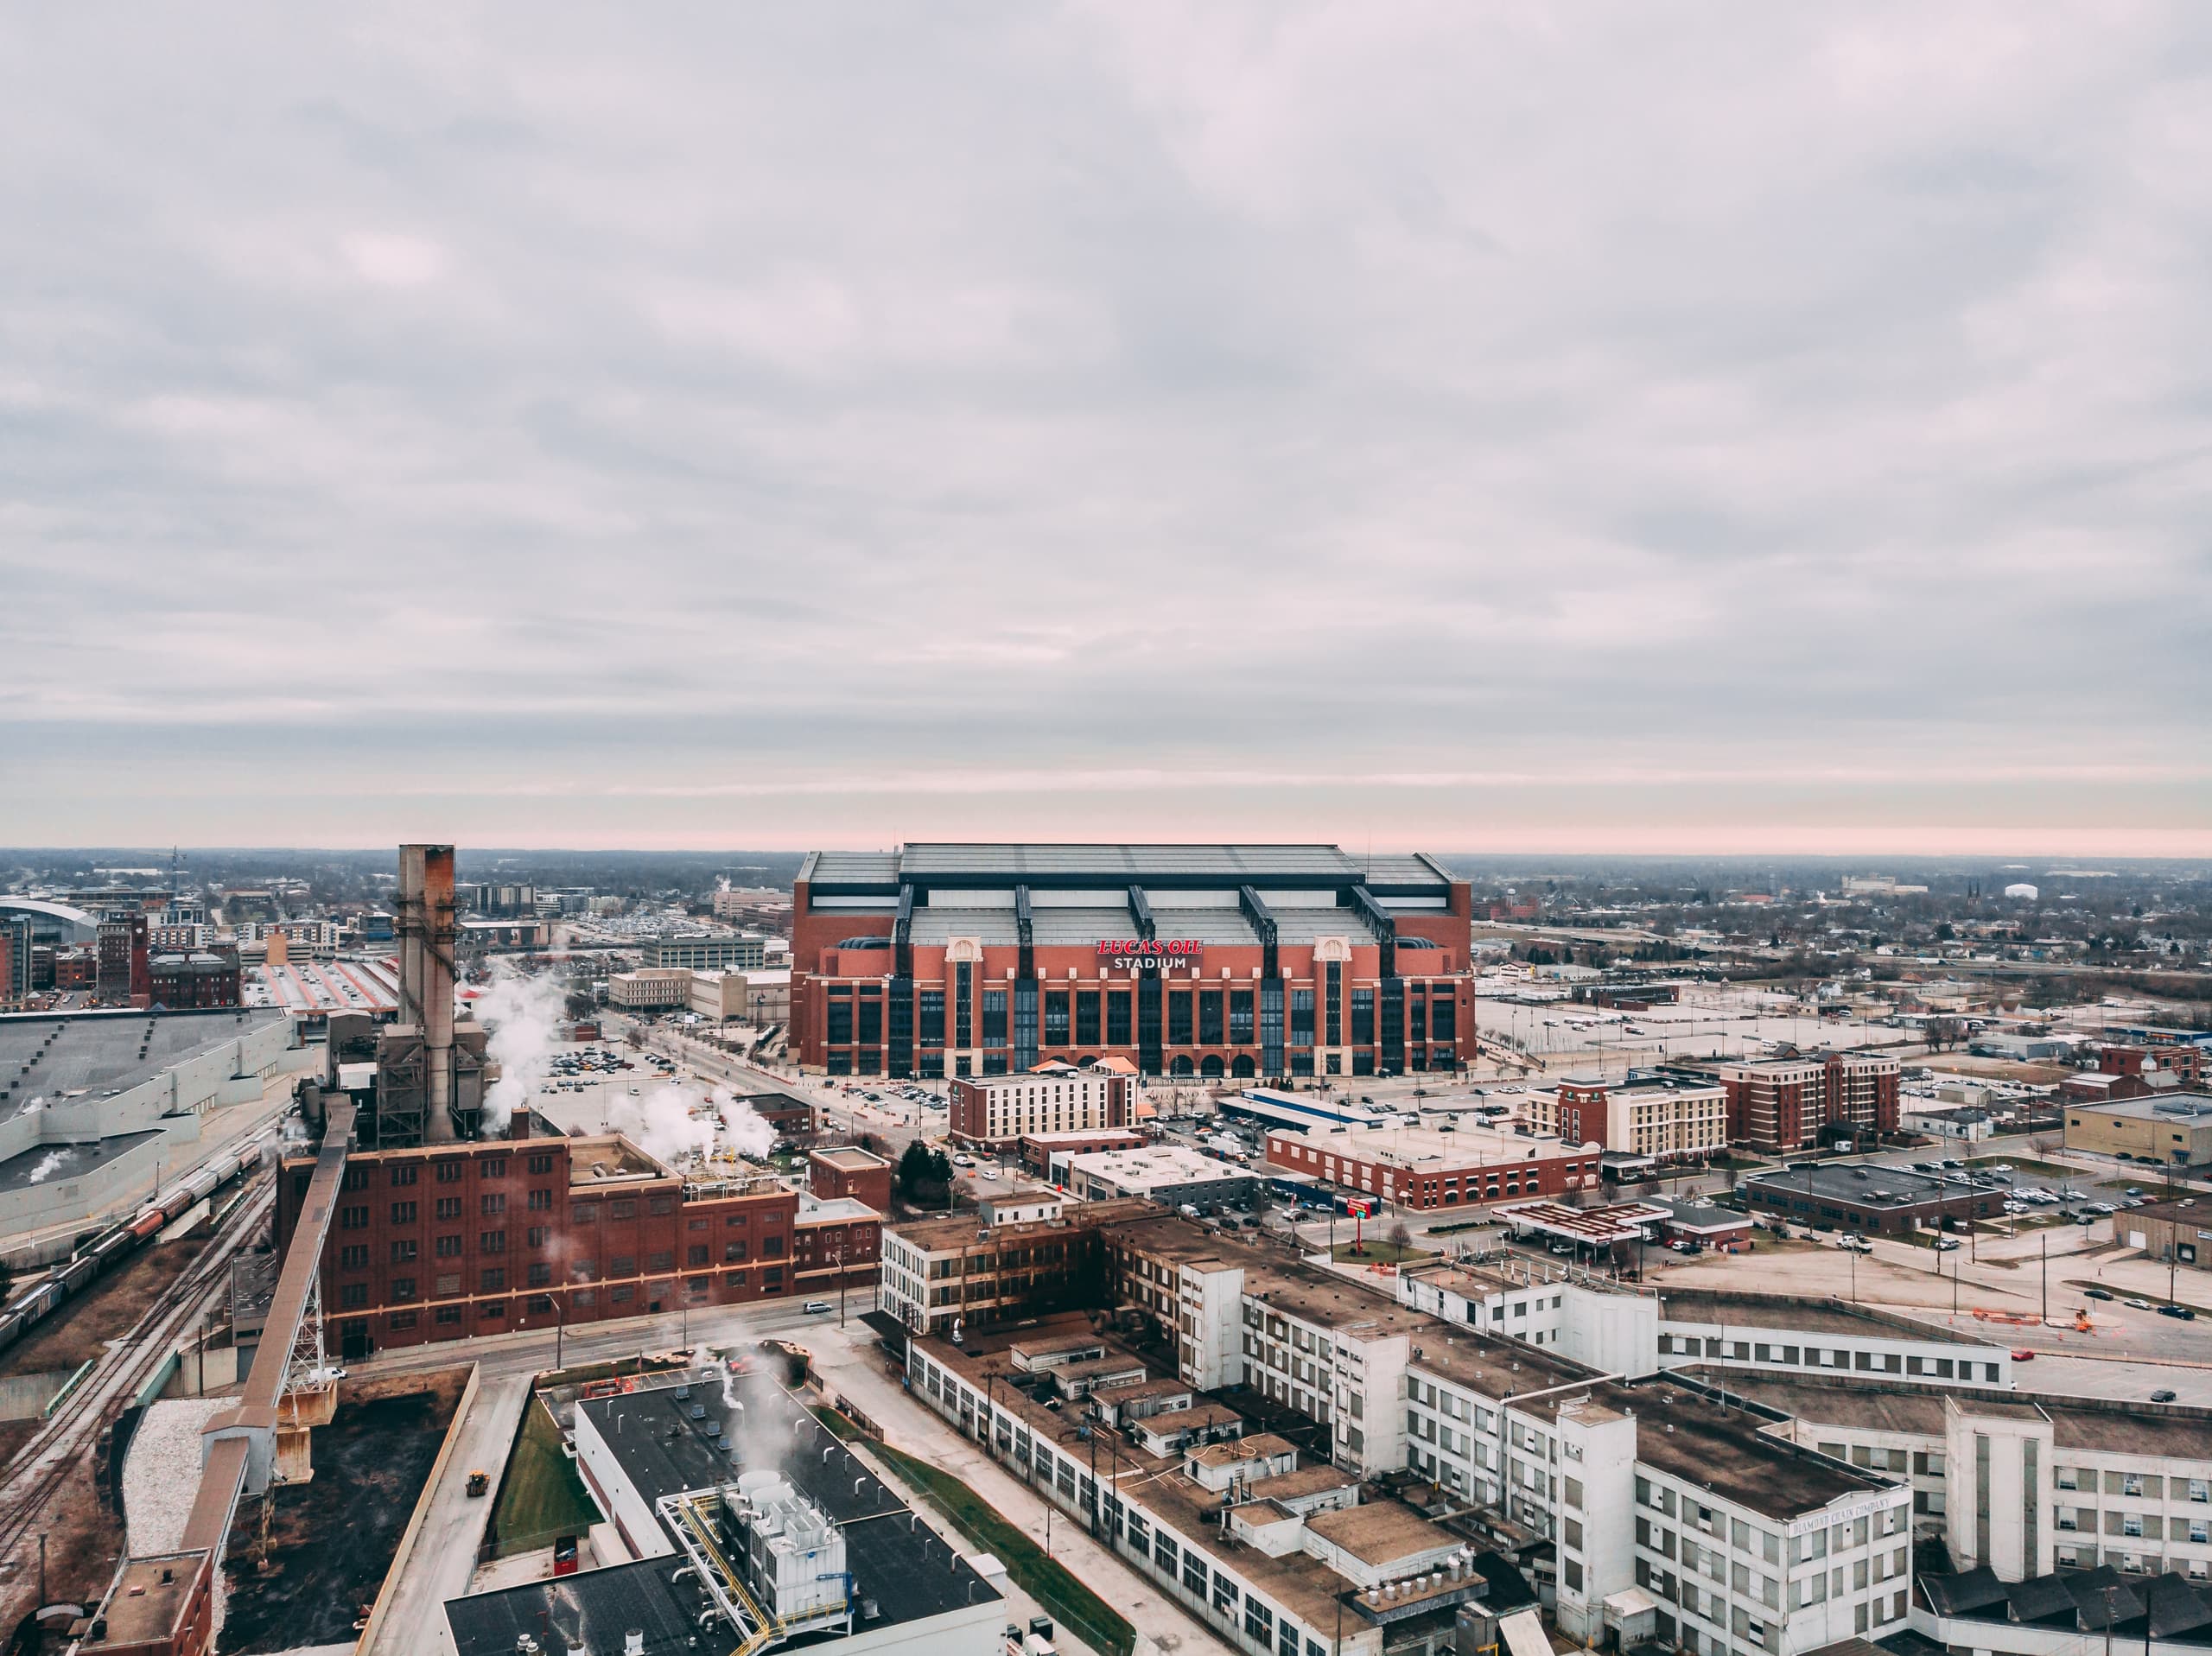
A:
[(522, 1015)]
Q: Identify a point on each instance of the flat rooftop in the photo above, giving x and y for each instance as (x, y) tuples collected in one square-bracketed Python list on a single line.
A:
[(59, 1164), (594, 1609), (95, 1054), (601, 1160), (151, 1594), (1156, 1165), (1804, 1316), (1378, 1532), (831, 1210), (1296, 1582), (2118, 1428), (1864, 1186), (1727, 1451), (1492, 1366), (1333, 1302), (2184, 1109), (848, 1160), (664, 1448), (959, 1230), (1421, 1149)]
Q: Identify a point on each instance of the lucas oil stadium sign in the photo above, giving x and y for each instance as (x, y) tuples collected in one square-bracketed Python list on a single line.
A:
[(1152, 954)]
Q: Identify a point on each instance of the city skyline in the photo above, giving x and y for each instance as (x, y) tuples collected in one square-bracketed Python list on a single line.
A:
[(1733, 431)]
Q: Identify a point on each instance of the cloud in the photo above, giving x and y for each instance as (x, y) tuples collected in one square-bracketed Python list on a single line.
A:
[(694, 425)]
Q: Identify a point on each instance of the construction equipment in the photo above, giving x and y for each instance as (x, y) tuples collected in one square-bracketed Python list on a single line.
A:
[(479, 1483)]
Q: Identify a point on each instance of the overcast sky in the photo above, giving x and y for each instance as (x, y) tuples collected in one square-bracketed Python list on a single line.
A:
[(1649, 428)]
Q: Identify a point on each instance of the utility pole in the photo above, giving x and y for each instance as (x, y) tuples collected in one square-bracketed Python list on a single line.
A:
[(2046, 1278)]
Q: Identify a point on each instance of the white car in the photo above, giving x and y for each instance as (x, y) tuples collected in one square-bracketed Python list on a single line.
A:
[(963, 1160)]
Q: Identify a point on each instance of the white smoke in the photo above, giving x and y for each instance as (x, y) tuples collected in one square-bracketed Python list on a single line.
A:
[(523, 1015), (47, 1166), (752, 1400), (679, 1123)]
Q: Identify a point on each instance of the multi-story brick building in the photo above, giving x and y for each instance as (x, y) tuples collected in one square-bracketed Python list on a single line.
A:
[(1421, 1167), (124, 980), (851, 1173), (994, 1111), (15, 962), (195, 980), (981, 1270), (1663, 1118), (1201, 960), (445, 1240), (1788, 1104)]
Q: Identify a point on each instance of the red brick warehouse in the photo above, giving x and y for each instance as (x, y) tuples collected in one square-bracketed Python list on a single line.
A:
[(451, 1240)]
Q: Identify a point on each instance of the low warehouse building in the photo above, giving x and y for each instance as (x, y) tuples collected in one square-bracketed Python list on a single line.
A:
[(2174, 1131), (1892, 1200)]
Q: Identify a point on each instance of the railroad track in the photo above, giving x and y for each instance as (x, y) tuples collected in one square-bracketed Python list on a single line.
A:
[(45, 1463)]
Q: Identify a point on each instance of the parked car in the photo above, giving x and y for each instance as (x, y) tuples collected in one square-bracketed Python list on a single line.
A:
[(2162, 1395), (2023, 1355), (2098, 1293), (2140, 1305), (2186, 1313), (1947, 1244)]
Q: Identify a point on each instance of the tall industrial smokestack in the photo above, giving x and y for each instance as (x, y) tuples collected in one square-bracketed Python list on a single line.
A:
[(424, 921)]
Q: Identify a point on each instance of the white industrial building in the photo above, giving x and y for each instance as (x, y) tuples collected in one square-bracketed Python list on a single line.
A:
[(780, 1535), (94, 1106)]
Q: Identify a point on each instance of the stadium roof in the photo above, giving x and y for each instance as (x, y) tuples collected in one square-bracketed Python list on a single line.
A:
[(1078, 867)]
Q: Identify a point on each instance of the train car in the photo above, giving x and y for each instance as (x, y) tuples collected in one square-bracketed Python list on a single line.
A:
[(76, 1274), (147, 1223), (200, 1185), (11, 1327), (118, 1244)]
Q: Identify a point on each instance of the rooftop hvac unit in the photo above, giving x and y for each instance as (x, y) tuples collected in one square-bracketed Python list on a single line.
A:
[(792, 1556)]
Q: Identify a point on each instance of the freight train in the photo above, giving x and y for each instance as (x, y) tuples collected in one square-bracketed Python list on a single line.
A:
[(110, 1247)]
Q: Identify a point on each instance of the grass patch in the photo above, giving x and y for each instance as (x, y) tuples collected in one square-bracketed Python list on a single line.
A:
[(1377, 1251), (1046, 1580), (541, 1496)]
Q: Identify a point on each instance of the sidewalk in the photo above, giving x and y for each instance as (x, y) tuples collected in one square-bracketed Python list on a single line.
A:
[(851, 1366), (444, 1555)]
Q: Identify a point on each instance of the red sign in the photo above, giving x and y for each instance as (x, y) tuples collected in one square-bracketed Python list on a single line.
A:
[(1152, 954)]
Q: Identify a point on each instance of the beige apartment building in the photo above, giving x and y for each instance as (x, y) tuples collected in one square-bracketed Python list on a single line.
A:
[(1664, 1118)]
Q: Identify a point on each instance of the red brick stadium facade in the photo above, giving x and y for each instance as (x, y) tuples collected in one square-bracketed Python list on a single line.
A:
[(447, 1240), (1236, 961)]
